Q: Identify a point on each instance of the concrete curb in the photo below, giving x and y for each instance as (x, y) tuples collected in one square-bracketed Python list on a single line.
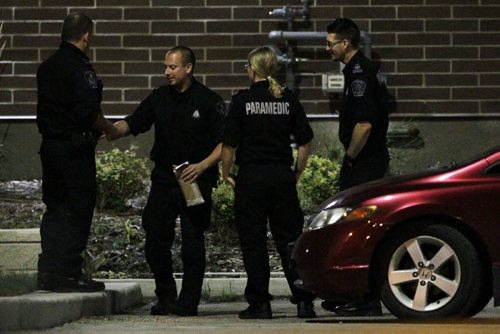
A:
[(43, 309), (19, 249), (215, 287)]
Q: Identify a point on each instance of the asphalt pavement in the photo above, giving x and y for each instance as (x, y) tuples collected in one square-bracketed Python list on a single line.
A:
[(221, 317)]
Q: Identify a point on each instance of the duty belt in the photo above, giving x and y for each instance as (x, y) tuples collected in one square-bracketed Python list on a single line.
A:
[(77, 138)]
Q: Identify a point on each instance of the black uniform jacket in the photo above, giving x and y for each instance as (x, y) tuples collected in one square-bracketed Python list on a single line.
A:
[(365, 100), (260, 125), (69, 93), (188, 125)]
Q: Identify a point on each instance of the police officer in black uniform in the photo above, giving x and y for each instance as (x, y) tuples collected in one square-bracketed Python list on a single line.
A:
[(69, 118), (363, 124), (259, 125), (188, 119)]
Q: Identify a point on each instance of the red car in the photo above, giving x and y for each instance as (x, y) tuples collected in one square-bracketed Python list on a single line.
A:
[(428, 243)]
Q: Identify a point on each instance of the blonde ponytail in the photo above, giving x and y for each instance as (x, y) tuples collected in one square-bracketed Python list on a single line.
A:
[(265, 63), (275, 88)]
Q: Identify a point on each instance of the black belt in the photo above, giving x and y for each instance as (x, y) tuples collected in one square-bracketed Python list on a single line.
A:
[(75, 137)]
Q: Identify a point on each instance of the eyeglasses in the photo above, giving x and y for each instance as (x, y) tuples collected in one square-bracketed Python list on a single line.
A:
[(330, 44), (247, 66)]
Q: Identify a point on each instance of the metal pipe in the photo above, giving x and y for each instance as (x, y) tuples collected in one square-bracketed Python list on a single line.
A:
[(289, 13), (296, 35), (366, 40)]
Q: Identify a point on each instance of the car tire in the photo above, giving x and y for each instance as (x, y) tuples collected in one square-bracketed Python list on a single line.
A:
[(429, 272)]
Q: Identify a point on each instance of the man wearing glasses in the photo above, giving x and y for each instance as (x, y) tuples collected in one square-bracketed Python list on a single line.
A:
[(363, 126)]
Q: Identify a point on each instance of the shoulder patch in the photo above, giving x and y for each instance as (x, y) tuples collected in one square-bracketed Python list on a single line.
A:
[(357, 69), (91, 79), (358, 88), (381, 79), (221, 108)]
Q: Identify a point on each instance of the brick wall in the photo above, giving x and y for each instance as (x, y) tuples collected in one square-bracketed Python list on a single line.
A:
[(439, 56)]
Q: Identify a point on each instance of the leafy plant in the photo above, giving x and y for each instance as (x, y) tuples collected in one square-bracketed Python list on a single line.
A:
[(120, 177), (92, 263), (318, 182), (116, 247), (223, 221)]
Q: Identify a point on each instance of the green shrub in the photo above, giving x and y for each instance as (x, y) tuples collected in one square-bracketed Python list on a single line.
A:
[(318, 182), (120, 177), (223, 221)]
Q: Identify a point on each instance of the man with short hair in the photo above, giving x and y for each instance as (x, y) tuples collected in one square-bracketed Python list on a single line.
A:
[(363, 124), (69, 118), (188, 120)]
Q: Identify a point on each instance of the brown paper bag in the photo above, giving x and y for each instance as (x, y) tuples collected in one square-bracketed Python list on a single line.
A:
[(191, 191)]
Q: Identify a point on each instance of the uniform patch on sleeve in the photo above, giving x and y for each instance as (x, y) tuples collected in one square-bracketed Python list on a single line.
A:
[(221, 108), (381, 79), (91, 79), (358, 88)]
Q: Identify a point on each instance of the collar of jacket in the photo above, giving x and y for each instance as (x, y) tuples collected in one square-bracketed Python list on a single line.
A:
[(348, 67), (70, 47)]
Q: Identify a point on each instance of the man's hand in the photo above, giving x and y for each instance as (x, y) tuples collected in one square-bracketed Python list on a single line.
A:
[(112, 132), (192, 172), (116, 130)]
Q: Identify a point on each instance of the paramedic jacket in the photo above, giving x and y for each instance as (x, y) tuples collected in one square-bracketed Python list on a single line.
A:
[(260, 126)]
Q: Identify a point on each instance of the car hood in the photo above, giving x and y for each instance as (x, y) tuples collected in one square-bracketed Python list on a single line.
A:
[(380, 187)]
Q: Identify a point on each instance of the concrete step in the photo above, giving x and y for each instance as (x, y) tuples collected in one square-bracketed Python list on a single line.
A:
[(19, 249), (42, 309)]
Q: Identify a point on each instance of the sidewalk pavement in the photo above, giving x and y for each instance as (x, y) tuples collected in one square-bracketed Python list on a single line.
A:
[(43, 309)]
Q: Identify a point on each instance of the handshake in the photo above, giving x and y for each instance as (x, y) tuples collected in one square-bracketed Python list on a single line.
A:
[(113, 131)]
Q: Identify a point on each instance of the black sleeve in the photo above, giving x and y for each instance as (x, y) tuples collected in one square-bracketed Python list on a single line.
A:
[(301, 130), (217, 117), (363, 90), (86, 93), (232, 129), (143, 117)]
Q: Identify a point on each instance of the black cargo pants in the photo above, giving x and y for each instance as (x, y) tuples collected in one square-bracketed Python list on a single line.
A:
[(69, 193), (267, 194), (364, 169), (165, 204)]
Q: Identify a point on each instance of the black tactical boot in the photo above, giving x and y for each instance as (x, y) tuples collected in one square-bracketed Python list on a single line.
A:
[(305, 310), (58, 283), (257, 311)]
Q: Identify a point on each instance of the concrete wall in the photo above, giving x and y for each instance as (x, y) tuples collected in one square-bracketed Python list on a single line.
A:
[(442, 140)]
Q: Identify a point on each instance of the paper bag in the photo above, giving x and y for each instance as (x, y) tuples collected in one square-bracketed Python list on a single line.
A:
[(191, 191)]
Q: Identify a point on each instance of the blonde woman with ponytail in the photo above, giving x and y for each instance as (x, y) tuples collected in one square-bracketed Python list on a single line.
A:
[(260, 122)]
